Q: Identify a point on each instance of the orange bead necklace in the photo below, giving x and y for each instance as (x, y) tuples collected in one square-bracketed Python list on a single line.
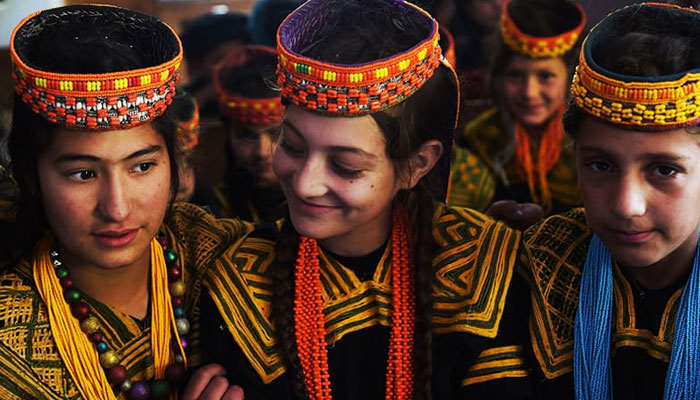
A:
[(309, 320)]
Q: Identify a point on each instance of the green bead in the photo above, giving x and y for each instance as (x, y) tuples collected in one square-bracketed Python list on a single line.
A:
[(72, 295), (160, 389), (62, 273), (170, 256)]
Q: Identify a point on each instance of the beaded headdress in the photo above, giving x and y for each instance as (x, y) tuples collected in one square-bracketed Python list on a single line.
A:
[(96, 100), (231, 74), (542, 46), (188, 128), (645, 103), (342, 89)]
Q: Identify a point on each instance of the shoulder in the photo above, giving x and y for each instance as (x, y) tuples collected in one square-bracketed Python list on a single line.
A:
[(553, 254), (471, 182), (473, 267)]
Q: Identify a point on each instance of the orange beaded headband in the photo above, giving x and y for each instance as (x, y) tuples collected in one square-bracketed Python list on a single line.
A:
[(539, 47), (97, 101), (647, 103), (341, 89), (188, 131), (243, 109)]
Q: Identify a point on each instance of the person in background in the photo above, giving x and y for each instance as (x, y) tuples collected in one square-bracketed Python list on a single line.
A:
[(615, 285), (266, 17), (519, 151), (186, 113)]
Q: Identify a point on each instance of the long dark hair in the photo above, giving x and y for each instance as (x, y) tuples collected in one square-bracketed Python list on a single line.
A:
[(97, 51), (369, 31)]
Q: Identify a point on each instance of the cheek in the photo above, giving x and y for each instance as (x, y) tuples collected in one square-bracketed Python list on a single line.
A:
[(282, 165), (556, 92), (510, 91)]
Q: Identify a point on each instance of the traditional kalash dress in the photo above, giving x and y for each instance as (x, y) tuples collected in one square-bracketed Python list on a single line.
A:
[(55, 341), (354, 316), (647, 346), (544, 174), (239, 195)]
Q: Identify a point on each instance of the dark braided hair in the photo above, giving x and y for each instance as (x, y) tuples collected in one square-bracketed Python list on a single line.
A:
[(361, 35)]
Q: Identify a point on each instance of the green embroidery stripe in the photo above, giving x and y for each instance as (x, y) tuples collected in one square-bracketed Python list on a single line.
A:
[(346, 315), (642, 342), (625, 307), (340, 273)]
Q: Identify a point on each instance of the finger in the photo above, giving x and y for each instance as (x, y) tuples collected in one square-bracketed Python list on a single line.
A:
[(215, 389), (234, 393), (200, 379)]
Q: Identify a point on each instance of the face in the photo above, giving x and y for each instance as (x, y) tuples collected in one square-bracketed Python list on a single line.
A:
[(641, 191), (105, 194), (186, 181), (534, 90), (252, 147), (337, 178), (486, 13)]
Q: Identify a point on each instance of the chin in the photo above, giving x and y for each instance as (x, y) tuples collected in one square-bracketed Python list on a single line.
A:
[(635, 258)]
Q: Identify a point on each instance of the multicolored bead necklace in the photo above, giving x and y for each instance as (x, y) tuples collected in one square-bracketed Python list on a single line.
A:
[(309, 319), (164, 321)]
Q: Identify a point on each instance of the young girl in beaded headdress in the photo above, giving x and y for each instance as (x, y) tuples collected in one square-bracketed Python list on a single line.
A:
[(519, 151), (371, 287), (615, 286), (100, 302)]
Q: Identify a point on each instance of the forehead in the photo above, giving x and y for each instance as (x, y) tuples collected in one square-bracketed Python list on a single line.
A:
[(113, 144), (526, 63), (597, 134), (361, 132)]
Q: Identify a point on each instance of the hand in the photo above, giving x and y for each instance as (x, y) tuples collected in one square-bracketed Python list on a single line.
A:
[(516, 215), (209, 383)]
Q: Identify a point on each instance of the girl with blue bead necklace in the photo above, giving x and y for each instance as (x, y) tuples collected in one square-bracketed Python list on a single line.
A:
[(616, 285)]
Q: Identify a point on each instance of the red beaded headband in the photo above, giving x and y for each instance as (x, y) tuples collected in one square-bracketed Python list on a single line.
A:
[(352, 89), (539, 47), (188, 131), (255, 111), (100, 101)]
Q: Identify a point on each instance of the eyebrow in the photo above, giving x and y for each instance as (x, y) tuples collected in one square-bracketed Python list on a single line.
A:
[(339, 149), (645, 156), (72, 157)]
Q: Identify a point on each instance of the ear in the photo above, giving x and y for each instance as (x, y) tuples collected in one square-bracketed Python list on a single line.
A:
[(421, 162)]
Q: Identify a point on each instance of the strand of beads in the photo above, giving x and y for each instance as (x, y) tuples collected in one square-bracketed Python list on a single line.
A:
[(116, 373), (309, 321)]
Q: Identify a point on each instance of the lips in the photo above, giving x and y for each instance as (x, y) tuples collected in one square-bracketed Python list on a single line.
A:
[(308, 208), (632, 236), (115, 238)]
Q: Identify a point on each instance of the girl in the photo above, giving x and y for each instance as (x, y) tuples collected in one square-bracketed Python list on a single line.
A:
[(519, 151), (100, 302), (615, 286), (371, 287)]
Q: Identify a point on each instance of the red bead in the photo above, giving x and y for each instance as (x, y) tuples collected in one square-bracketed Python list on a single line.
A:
[(178, 301), (174, 273), (95, 337), (174, 372), (163, 241), (80, 310), (117, 374), (67, 282)]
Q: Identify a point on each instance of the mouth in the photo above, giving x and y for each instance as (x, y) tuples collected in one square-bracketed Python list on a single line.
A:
[(305, 207), (632, 236), (115, 237)]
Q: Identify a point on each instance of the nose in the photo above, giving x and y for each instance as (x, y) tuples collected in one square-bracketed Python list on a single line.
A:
[(264, 146), (311, 180), (629, 200), (113, 201), (531, 87)]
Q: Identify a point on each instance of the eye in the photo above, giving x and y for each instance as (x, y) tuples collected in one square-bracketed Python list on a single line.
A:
[(83, 175), (546, 76), (346, 172), (601, 166), (665, 171), (143, 167), (291, 150)]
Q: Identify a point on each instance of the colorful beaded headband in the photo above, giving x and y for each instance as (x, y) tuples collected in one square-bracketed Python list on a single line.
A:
[(540, 47), (97, 101), (647, 103), (247, 110), (188, 131), (350, 89)]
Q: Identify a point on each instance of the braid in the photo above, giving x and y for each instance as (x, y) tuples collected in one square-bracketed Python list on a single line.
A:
[(283, 304), (421, 207)]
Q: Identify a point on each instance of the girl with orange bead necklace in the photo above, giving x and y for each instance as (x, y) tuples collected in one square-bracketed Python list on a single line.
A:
[(371, 287), (100, 300)]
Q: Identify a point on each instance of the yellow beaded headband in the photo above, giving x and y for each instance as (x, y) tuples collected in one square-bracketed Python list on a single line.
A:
[(97, 101), (244, 109), (646, 103), (358, 89), (540, 47)]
